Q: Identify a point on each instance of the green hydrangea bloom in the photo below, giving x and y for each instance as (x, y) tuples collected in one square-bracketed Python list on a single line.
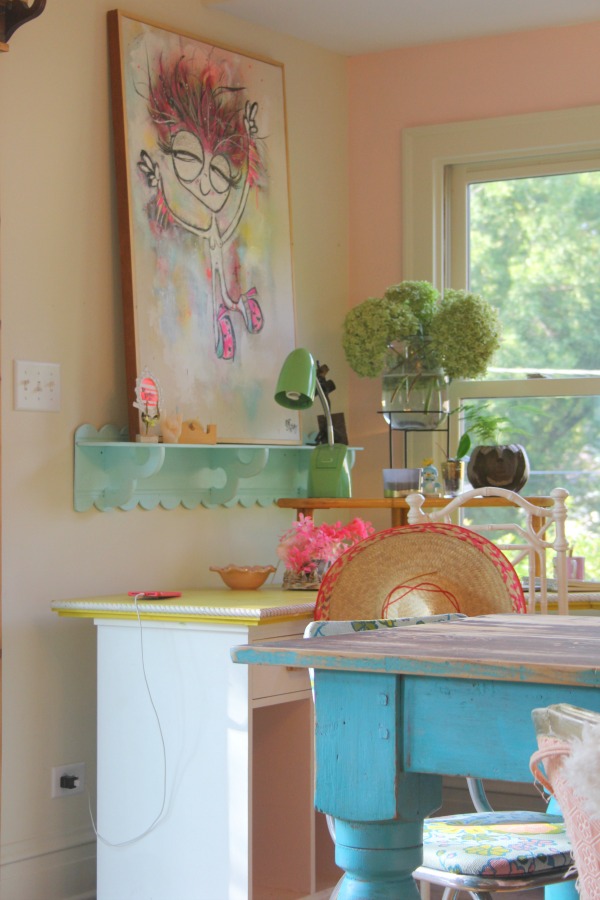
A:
[(421, 298), (465, 332), (403, 313)]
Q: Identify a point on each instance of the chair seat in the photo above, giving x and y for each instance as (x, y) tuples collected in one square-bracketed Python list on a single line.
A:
[(496, 844)]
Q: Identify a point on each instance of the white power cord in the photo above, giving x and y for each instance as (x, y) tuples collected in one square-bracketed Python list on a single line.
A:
[(160, 813)]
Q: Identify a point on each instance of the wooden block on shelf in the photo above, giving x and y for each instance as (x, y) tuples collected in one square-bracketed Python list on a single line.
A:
[(146, 438), (192, 432)]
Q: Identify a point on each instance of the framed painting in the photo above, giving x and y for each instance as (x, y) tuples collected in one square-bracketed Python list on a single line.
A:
[(204, 228)]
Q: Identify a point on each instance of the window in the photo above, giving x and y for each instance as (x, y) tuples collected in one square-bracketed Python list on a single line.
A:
[(511, 209), (528, 239)]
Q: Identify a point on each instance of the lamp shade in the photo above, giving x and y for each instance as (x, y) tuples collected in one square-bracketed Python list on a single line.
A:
[(297, 381)]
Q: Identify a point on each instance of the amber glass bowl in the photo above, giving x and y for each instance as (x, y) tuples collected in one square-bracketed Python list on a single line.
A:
[(243, 578)]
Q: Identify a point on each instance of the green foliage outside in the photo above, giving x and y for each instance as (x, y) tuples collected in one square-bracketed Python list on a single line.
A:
[(534, 254)]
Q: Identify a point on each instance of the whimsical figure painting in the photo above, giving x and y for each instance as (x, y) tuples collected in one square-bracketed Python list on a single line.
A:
[(211, 139), (208, 290)]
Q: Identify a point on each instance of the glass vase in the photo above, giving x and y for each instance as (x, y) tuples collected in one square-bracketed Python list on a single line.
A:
[(413, 397), (453, 474), (305, 581)]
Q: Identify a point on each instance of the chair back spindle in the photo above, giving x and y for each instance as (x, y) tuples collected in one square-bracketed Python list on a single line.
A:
[(540, 531)]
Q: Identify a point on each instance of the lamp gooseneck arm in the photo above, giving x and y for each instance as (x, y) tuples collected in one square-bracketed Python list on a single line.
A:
[(327, 412)]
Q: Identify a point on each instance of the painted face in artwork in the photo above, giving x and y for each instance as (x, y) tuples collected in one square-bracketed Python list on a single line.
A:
[(209, 177), (210, 135)]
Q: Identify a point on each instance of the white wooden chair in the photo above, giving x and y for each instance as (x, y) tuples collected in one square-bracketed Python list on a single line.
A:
[(533, 541)]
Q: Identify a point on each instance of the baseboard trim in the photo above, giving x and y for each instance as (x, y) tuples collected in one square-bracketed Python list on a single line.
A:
[(46, 873), (19, 851)]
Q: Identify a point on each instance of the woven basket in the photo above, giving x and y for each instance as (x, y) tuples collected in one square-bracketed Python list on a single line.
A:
[(583, 826)]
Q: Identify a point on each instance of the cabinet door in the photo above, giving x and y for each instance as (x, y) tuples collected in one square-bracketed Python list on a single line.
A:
[(279, 684)]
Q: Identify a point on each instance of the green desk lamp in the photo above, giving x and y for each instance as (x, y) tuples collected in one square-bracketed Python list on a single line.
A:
[(329, 469)]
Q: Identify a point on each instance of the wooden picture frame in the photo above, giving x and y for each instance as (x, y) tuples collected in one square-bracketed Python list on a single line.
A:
[(204, 228)]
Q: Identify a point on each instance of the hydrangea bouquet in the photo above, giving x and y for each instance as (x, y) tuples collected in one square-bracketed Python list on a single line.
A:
[(458, 332), (418, 341)]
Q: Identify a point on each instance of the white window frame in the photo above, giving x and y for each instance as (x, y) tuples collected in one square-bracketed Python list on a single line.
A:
[(429, 152)]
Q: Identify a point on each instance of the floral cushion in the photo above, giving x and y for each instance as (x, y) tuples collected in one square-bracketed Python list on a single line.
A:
[(496, 844)]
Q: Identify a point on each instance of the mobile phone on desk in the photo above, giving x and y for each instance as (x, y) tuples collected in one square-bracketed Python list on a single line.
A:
[(154, 595)]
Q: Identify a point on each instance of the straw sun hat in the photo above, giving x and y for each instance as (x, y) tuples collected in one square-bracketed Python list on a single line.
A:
[(420, 570)]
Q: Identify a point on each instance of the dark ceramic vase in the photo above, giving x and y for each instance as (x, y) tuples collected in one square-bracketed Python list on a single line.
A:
[(504, 466)]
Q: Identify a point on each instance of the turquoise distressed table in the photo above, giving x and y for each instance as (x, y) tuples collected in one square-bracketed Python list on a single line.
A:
[(396, 709)]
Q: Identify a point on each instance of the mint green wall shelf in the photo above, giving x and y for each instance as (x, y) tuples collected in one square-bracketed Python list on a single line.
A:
[(113, 473)]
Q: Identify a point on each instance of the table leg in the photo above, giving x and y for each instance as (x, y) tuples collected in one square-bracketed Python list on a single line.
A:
[(379, 859), (378, 808), (567, 890)]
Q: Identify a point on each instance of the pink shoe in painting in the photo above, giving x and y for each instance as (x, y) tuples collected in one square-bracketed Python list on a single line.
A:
[(251, 311), (225, 335)]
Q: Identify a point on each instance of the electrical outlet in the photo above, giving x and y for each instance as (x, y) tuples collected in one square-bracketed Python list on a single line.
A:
[(36, 386), (72, 774)]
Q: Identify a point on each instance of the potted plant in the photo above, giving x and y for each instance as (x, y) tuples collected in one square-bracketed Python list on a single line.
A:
[(307, 550), (417, 340), (492, 462)]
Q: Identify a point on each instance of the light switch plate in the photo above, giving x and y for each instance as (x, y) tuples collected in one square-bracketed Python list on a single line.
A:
[(36, 386)]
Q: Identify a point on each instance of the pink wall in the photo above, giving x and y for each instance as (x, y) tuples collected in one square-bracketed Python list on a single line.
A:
[(437, 83)]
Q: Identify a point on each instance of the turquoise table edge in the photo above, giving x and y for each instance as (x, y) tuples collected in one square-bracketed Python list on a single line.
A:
[(111, 472), (281, 656)]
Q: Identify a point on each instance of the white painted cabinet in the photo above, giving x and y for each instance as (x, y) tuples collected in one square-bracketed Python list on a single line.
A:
[(230, 815)]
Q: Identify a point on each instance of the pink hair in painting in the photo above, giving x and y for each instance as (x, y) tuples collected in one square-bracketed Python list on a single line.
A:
[(199, 101)]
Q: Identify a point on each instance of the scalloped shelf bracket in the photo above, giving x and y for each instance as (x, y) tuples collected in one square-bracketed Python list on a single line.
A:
[(114, 473)]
